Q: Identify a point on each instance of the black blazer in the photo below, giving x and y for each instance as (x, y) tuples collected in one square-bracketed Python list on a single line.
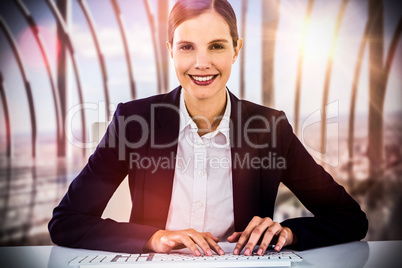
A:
[(148, 128)]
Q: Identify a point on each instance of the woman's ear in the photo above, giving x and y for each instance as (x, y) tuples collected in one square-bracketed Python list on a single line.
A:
[(170, 48), (237, 49)]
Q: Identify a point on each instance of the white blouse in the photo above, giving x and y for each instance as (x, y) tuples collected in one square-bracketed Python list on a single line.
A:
[(202, 195)]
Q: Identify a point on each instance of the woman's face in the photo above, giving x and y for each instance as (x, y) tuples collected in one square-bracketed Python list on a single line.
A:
[(203, 55)]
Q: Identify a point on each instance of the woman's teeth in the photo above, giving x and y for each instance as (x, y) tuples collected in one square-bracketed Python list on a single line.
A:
[(202, 78)]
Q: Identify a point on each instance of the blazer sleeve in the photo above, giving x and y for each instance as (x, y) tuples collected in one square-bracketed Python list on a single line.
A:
[(338, 218), (77, 221)]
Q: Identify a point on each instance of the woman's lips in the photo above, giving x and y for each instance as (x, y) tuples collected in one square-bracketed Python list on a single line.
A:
[(203, 80)]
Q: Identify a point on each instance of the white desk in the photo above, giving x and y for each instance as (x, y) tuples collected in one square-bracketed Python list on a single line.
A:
[(355, 254)]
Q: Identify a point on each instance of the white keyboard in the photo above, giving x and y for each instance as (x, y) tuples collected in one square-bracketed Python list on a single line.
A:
[(270, 258)]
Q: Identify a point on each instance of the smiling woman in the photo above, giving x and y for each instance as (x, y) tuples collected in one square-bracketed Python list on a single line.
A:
[(227, 187)]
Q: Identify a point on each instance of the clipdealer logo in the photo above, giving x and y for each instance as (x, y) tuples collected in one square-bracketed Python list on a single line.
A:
[(98, 128), (253, 126), (311, 139)]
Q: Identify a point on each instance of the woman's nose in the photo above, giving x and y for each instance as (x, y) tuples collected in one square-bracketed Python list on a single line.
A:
[(202, 61)]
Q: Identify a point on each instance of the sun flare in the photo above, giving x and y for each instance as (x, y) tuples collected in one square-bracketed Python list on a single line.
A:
[(318, 40)]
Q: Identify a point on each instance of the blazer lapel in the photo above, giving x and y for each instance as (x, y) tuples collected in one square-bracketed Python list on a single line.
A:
[(162, 150), (246, 179)]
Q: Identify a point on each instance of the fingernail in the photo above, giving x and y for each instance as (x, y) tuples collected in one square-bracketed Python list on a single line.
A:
[(259, 252), (277, 248), (221, 252), (236, 251), (247, 252), (197, 252), (209, 252), (171, 243)]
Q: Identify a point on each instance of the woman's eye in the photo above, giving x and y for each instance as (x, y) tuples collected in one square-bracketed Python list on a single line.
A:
[(217, 47), (186, 47)]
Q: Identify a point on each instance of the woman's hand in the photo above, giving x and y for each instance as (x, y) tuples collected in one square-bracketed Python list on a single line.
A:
[(164, 241), (263, 229)]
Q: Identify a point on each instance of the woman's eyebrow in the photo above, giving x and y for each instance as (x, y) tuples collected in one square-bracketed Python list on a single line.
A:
[(184, 42), (219, 41), (181, 42)]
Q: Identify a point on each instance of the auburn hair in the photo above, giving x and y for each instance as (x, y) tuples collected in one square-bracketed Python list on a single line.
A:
[(188, 9)]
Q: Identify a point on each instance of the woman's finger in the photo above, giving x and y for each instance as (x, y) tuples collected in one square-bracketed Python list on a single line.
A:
[(246, 234), (234, 237), (282, 239), (273, 230), (211, 236), (211, 240), (256, 235), (189, 243), (201, 242)]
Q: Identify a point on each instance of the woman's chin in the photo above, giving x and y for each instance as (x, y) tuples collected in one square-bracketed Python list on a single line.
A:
[(203, 93)]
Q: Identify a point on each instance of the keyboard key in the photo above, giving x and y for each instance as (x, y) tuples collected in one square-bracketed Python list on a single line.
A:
[(98, 259), (133, 258), (88, 259), (76, 261), (108, 258), (141, 259)]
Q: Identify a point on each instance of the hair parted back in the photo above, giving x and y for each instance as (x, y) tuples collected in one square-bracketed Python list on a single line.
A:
[(188, 9)]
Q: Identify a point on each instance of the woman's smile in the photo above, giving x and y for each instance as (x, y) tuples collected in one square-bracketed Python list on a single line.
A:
[(203, 80)]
